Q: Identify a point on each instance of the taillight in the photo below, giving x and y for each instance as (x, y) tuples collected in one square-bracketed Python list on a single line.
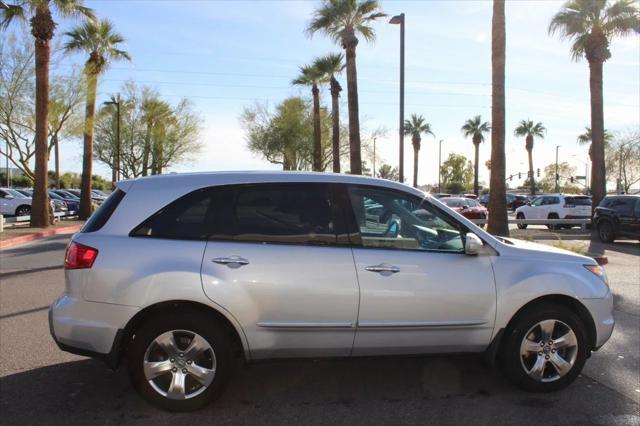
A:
[(79, 256)]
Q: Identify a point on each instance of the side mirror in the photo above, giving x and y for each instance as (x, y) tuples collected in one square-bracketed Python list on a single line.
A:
[(473, 244)]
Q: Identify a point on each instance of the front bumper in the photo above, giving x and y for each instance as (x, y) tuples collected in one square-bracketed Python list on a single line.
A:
[(602, 313), (88, 328)]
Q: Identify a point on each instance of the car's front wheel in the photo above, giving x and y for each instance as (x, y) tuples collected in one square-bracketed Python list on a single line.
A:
[(546, 348), (180, 362), (605, 231), (23, 211)]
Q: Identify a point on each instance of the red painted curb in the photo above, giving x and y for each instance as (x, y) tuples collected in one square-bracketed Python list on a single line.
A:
[(38, 235)]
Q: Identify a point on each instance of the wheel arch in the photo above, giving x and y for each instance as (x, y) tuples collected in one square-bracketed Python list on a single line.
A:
[(240, 345), (21, 206), (569, 302)]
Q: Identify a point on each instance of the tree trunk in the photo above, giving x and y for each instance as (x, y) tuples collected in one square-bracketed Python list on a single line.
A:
[(498, 224), (355, 158), (598, 173), (416, 149), (532, 181), (335, 116), (40, 215), (87, 156), (317, 142), (475, 168)]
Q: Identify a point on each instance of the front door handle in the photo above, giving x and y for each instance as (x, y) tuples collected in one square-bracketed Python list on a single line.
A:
[(231, 261), (383, 268)]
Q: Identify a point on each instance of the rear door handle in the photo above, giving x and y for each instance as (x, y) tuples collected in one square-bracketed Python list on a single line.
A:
[(231, 261), (383, 268)]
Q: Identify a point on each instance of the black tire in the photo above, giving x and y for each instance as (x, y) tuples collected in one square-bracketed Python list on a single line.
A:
[(195, 322), (518, 330), (605, 231), (521, 225), (23, 211), (553, 227)]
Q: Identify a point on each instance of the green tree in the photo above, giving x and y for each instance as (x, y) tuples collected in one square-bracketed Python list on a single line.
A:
[(39, 13), (98, 39), (388, 172), (457, 173), (622, 158), (498, 224), (330, 66), (416, 126), (585, 138), (591, 25), (528, 129), (565, 171), (475, 129), (310, 75), (154, 134), (343, 21), (18, 100)]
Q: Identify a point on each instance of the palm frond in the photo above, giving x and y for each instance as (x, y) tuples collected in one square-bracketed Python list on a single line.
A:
[(11, 13), (73, 8)]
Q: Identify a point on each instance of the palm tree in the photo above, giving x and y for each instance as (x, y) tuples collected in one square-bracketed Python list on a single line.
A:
[(475, 129), (310, 75), (528, 129), (98, 39), (498, 224), (330, 66), (415, 127), (586, 137), (39, 14), (591, 25), (343, 21)]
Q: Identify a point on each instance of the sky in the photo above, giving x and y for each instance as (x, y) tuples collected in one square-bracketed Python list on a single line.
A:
[(227, 55)]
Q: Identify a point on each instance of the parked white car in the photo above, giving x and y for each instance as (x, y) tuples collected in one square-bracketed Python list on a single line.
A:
[(556, 206), (13, 203), (183, 274)]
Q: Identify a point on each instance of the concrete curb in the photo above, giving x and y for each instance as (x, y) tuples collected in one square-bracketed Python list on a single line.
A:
[(38, 235)]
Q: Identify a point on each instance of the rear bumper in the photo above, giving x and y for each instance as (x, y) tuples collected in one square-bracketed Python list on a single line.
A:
[(89, 329)]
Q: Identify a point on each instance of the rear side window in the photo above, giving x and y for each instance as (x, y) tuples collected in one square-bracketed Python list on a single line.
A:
[(284, 213), (623, 206), (578, 201), (104, 212), (187, 218)]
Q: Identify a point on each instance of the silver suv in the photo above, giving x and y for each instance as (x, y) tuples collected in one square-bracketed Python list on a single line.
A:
[(183, 275)]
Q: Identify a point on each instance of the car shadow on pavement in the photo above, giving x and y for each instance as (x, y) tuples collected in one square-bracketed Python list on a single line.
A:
[(413, 390), (621, 246)]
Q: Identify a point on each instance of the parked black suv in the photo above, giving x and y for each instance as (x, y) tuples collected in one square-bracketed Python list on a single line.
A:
[(618, 216)]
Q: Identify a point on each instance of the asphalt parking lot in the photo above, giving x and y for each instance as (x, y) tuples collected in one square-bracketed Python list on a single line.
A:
[(39, 384)]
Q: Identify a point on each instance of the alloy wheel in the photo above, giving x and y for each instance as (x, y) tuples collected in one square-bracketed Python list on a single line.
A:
[(179, 364), (549, 350)]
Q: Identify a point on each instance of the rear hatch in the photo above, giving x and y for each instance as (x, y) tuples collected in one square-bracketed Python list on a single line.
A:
[(578, 206)]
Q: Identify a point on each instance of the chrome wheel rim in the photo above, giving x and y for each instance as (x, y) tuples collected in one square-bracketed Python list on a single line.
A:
[(179, 364), (548, 350)]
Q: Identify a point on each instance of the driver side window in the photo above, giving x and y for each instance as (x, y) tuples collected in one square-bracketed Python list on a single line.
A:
[(395, 220)]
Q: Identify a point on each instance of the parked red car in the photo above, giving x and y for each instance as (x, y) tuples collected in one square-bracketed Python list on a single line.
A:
[(471, 209)]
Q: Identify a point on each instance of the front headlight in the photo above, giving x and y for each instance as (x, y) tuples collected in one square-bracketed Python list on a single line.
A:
[(598, 271)]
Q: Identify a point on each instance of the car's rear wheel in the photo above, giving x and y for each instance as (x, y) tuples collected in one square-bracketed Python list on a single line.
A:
[(605, 231), (546, 348), (553, 226), (521, 225), (180, 362), (23, 211)]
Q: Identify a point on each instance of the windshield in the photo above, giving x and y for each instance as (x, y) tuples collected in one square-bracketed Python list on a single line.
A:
[(16, 194)]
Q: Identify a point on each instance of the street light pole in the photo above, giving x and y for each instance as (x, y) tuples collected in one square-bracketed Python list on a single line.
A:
[(439, 165), (399, 20), (374, 157), (115, 169), (557, 176)]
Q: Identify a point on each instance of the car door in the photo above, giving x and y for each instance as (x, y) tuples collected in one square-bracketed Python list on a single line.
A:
[(624, 208), (4, 203), (534, 210), (419, 292), (277, 265)]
